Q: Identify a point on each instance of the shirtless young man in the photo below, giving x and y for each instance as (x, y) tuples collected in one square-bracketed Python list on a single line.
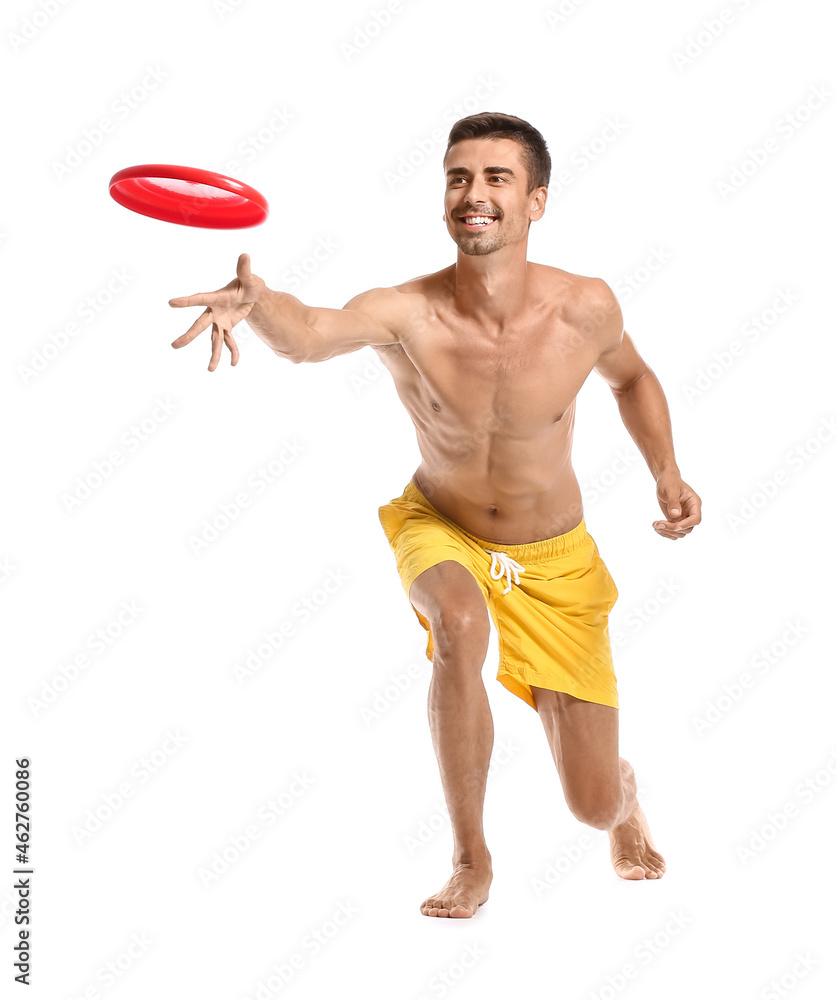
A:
[(488, 356)]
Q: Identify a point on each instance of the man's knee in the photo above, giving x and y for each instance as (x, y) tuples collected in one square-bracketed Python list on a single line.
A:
[(449, 597), (461, 628), (600, 810)]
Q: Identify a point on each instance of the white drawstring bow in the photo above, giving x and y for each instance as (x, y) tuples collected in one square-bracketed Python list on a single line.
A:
[(504, 564)]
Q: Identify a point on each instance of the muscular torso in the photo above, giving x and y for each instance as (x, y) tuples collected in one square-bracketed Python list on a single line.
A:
[(494, 409)]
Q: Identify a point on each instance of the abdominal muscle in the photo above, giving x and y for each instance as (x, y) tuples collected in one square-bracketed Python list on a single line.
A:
[(504, 490)]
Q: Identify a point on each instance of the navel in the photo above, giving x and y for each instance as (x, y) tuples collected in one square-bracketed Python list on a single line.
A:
[(558, 417), (492, 509), (435, 405)]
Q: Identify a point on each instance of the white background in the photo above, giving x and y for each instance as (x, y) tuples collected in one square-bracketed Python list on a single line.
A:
[(366, 834)]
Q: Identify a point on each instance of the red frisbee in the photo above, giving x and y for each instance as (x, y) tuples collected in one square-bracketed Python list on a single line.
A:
[(188, 196)]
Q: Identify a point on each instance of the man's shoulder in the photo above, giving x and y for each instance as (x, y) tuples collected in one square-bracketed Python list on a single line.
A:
[(581, 290), (585, 303), (407, 294), (430, 285), (389, 300), (585, 300), (399, 308), (415, 302)]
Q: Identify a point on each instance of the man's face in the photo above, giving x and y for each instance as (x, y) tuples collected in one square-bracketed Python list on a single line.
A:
[(486, 178)]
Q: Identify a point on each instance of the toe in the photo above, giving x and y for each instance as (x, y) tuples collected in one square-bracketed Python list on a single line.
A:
[(631, 871)]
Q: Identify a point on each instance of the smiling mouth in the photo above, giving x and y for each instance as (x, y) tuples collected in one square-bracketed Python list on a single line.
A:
[(475, 222)]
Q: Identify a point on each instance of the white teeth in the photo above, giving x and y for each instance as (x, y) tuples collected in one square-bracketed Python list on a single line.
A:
[(479, 220)]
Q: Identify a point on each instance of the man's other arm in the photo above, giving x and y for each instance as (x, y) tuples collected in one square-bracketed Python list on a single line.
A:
[(641, 401), (645, 413)]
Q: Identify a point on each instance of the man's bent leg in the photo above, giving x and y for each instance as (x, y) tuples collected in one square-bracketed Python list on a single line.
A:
[(600, 786), (461, 725)]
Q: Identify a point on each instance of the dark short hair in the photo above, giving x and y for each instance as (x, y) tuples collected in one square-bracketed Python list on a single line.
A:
[(495, 125)]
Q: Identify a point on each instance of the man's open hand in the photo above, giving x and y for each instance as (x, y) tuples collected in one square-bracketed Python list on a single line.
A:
[(225, 307), (680, 505)]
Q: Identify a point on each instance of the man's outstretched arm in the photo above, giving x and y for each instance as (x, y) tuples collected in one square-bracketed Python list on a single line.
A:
[(290, 328), (644, 412), (311, 333)]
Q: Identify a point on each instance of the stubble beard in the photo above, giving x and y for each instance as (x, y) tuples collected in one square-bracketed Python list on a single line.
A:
[(476, 244)]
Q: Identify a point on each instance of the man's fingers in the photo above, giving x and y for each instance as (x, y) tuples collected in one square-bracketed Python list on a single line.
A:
[(683, 499), (691, 506), (663, 528), (244, 266), (685, 522), (687, 519), (197, 327), (669, 534), (198, 299), (229, 340), (691, 514), (217, 343), (672, 529)]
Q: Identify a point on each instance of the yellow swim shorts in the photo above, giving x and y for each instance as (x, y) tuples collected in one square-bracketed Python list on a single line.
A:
[(549, 600)]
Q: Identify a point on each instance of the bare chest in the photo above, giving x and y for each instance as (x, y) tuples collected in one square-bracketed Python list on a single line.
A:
[(528, 374)]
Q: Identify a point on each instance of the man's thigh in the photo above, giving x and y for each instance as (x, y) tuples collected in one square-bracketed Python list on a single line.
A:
[(583, 737)]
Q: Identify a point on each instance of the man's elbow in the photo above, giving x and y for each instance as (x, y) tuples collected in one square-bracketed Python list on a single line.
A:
[(303, 347), (294, 357), (632, 382)]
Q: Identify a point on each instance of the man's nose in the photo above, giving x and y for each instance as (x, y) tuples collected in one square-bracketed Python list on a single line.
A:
[(479, 193)]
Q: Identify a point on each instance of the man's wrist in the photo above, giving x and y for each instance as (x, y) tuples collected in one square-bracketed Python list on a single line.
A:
[(667, 470), (258, 311)]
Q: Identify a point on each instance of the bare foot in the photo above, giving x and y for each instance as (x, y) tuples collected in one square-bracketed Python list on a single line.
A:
[(464, 892), (631, 849)]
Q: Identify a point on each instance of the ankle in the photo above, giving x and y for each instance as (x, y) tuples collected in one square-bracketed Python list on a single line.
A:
[(477, 858), (627, 815)]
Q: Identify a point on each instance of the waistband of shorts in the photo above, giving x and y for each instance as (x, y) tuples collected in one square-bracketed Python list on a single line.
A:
[(546, 548)]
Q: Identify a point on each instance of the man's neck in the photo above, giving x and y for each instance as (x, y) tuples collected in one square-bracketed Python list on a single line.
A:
[(492, 288)]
